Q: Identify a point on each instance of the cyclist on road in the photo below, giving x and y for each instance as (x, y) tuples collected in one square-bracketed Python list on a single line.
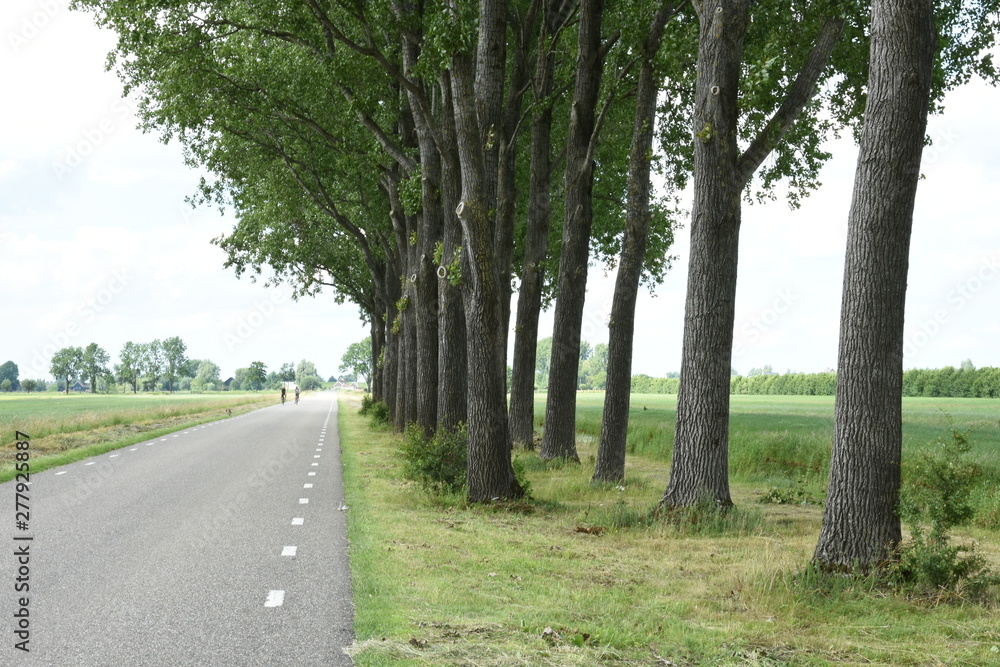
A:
[(282, 394), (296, 393)]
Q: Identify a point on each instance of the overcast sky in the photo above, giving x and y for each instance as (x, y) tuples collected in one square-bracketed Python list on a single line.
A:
[(98, 245)]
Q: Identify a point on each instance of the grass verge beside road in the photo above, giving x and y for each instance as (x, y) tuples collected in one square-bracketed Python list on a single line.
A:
[(64, 429), (554, 582)]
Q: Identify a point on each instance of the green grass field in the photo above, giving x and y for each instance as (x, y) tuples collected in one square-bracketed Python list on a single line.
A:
[(555, 582), (66, 428), (780, 435)]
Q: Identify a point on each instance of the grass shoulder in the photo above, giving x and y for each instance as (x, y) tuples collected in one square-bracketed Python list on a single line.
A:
[(65, 429), (579, 576)]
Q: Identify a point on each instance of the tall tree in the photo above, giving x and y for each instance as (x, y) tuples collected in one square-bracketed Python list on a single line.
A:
[(151, 363), (9, 371), (699, 464), (174, 359), (94, 364), (257, 375), (860, 523), (490, 473), (536, 243), (358, 359), (129, 368), (66, 364), (610, 465), (559, 438)]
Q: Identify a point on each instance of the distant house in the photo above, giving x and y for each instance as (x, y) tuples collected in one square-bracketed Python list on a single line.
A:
[(341, 385), (79, 386), (227, 385)]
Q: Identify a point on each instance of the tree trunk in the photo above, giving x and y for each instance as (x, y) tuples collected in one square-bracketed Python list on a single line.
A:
[(490, 473), (423, 270), (559, 439), (699, 465), (860, 524), (506, 175), (377, 331), (536, 243), (614, 424), (453, 367)]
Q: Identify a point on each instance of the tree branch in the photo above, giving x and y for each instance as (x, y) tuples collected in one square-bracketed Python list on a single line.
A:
[(798, 96)]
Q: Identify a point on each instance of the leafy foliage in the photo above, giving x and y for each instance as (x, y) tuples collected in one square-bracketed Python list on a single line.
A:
[(439, 463), (938, 493)]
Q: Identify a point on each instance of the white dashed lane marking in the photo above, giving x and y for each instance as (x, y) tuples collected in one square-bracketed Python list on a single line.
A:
[(307, 486), (275, 599), (288, 551), (303, 501), (312, 474), (114, 456), (62, 472), (298, 521), (90, 464)]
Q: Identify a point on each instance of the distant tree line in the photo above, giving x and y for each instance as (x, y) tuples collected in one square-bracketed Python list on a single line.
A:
[(158, 365), (963, 382)]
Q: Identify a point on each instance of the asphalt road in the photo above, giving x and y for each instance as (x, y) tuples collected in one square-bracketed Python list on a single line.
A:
[(224, 544)]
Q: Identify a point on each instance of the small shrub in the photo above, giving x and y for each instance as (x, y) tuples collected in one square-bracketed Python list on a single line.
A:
[(938, 492), (378, 414), (366, 404), (795, 495), (438, 463), (520, 474)]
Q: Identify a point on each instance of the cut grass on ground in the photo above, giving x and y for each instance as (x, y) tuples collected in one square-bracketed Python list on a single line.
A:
[(553, 582), (64, 429)]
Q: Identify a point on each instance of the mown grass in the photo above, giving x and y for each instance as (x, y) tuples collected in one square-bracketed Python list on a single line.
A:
[(582, 575), (64, 428)]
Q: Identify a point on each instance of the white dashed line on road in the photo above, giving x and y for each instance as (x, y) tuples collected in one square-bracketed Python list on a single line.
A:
[(312, 474), (288, 551), (314, 464), (114, 456), (316, 456), (275, 599), (63, 472), (307, 486), (90, 464), (298, 521), (303, 501)]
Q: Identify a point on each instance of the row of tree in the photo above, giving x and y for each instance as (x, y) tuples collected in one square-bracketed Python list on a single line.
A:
[(963, 382), (413, 155), (163, 365)]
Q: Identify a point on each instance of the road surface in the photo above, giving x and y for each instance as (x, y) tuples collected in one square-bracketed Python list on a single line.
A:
[(224, 544)]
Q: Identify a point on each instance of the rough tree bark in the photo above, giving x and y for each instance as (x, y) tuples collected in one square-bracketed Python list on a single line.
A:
[(860, 524), (490, 473), (559, 438), (453, 366), (428, 232), (700, 459), (700, 462), (536, 242), (614, 424)]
